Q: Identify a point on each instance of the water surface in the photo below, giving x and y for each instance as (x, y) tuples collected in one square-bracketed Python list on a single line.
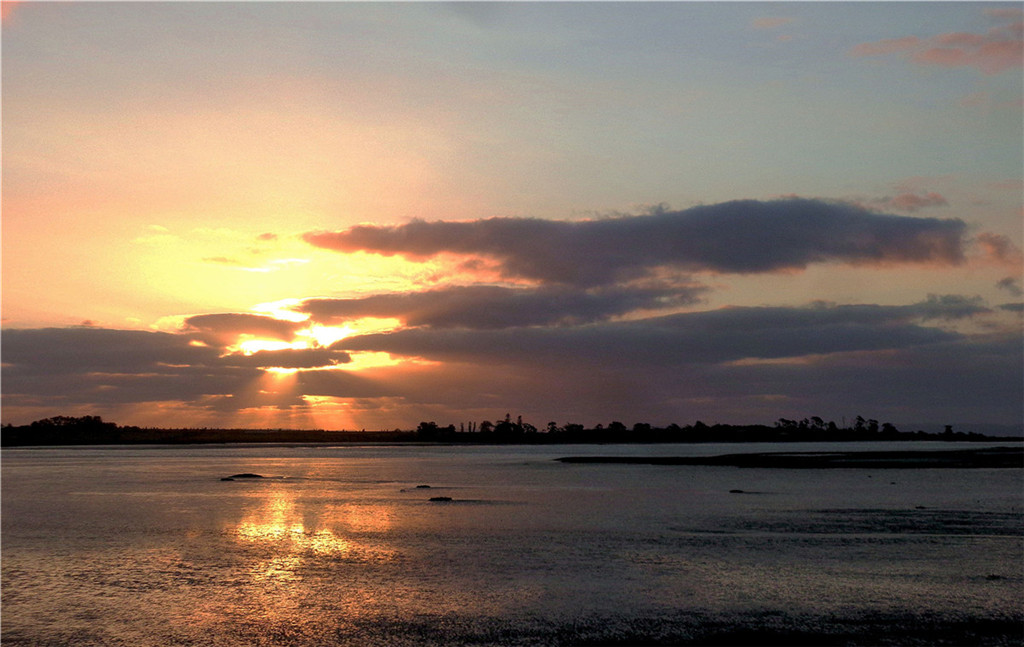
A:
[(339, 546)]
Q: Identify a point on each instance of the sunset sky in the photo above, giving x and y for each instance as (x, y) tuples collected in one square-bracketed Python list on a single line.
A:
[(364, 215)]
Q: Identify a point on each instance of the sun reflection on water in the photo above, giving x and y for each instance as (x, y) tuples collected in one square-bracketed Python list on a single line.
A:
[(297, 541), (279, 522), (296, 534)]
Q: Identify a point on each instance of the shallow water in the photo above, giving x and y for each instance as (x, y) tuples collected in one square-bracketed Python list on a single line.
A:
[(338, 546)]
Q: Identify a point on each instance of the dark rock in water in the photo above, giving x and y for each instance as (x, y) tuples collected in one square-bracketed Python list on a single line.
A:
[(242, 476), (440, 498), (422, 487)]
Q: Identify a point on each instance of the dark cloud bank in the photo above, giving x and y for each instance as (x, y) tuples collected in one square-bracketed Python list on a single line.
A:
[(488, 306), (599, 333), (743, 237), (747, 361)]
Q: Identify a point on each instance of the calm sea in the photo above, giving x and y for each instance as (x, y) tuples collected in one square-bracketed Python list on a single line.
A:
[(343, 546)]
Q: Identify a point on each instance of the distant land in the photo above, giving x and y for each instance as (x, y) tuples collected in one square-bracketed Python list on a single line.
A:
[(93, 430)]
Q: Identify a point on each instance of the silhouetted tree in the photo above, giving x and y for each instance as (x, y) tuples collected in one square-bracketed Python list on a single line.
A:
[(507, 428), (427, 430)]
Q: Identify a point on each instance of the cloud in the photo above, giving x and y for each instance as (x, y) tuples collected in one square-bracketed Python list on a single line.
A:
[(223, 330), (1012, 285), (910, 201), (770, 22), (740, 363), (999, 49), (224, 260), (1010, 13), (289, 358), (887, 46), (744, 236), (101, 367), (716, 336), (483, 306), (958, 380), (6, 8), (999, 248)]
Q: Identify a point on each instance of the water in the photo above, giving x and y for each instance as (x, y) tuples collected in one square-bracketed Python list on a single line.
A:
[(130, 546)]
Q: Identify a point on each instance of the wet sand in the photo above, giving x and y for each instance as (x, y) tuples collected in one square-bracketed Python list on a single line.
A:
[(999, 457)]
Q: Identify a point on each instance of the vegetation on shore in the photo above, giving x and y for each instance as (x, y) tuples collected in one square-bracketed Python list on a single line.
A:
[(93, 430)]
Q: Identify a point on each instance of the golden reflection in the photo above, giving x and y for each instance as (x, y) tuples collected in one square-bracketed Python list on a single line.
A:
[(362, 517), (277, 569), (278, 523)]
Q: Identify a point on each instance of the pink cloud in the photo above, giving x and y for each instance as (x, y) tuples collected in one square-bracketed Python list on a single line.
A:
[(999, 49), (888, 46), (999, 248), (912, 201), (1014, 184), (1005, 14), (770, 23), (943, 57), (6, 7)]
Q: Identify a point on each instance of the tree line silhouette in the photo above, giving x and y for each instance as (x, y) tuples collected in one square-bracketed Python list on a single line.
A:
[(93, 430), (812, 428)]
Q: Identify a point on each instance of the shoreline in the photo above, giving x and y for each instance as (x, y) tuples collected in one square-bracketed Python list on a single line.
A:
[(996, 457)]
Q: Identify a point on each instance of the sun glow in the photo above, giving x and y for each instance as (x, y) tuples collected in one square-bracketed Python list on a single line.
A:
[(282, 309), (280, 371), (316, 336), (249, 345), (326, 335)]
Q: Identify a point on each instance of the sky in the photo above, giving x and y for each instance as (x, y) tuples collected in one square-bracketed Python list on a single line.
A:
[(366, 215)]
